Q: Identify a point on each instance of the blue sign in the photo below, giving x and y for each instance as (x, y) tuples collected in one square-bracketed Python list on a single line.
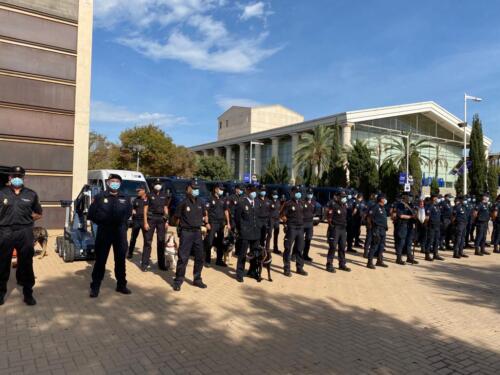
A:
[(247, 178), (402, 178)]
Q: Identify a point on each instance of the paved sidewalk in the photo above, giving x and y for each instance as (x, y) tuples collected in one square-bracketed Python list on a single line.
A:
[(432, 318)]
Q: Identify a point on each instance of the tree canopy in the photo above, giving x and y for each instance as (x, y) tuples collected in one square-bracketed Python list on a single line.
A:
[(275, 173), (477, 155), (363, 174), (213, 168)]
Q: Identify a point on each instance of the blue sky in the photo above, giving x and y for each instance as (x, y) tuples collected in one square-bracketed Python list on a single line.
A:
[(181, 63)]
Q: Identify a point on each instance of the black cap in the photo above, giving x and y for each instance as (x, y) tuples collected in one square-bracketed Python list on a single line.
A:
[(193, 184), (218, 185), (251, 187), (239, 186), (274, 192), (338, 191), (449, 196), (486, 194), (380, 197), (434, 195), (140, 187), (459, 197), (295, 188), (262, 187), (157, 181), (17, 171), (310, 191), (114, 176)]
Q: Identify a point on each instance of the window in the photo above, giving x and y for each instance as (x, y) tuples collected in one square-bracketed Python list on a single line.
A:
[(220, 124), (227, 123)]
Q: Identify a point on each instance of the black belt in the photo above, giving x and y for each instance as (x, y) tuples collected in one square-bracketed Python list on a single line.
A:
[(191, 229)]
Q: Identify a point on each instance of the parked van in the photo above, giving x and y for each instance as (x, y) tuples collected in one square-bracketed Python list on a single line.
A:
[(131, 180)]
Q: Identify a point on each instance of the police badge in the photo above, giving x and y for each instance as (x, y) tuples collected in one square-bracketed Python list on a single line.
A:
[(105, 200), (188, 209), (5, 201)]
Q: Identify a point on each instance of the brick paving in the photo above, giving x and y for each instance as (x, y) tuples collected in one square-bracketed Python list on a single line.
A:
[(433, 318)]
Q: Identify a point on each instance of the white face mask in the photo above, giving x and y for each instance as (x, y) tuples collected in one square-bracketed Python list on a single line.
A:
[(157, 187)]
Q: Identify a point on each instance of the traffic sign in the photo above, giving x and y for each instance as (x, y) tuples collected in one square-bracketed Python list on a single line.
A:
[(407, 188), (402, 178)]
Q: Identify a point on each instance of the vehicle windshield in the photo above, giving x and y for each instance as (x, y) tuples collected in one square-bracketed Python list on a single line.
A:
[(129, 187)]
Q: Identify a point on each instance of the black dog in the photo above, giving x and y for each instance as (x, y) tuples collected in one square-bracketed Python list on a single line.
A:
[(41, 236), (259, 258)]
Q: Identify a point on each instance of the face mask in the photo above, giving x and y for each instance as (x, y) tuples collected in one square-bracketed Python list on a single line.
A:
[(275, 197), (195, 192), (114, 185), (309, 196), (17, 182), (343, 200), (298, 195), (220, 193), (157, 187), (262, 193), (486, 200), (385, 201), (252, 195), (349, 197), (239, 192)]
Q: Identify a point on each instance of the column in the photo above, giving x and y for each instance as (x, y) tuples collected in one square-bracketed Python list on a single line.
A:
[(346, 134), (258, 159), (216, 151), (275, 147), (205, 152), (295, 143), (241, 163), (229, 157)]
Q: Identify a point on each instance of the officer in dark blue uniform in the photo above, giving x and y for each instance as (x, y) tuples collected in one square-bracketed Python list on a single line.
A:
[(482, 216), (368, 240), (216, 208), (405, 216), (19, 209), (230, 207), (446, 211), (469, 209), (377, 217), (274, 227), (263, 213), (155, 219), (190, 216), (309, 209), (395, 222), (110, 210), (357, 219), (459, 220), (247, 229), (137, 219), (433, 214), (352, 209), (495, 216), (337, 231), (292, 215)]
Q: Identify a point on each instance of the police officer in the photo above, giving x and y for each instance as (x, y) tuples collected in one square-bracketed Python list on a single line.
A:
[(19, 209), (190, 216), (377, 216), (352, 209), (459, 220), (368, 240), (446, 212), (309, 208), (137, 219), (495, 216), (274, 227), (433, 217), (357, 219), (110, 210), (405, 217), (230, 207), (247, 229), (292, 214), (216, 207), (337, 230), (155, 219), (482, 217), (263, 213)]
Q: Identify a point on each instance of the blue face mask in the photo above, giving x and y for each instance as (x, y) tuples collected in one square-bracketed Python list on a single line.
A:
[(17, 182), (252, 195), (343, 200), (262, 193), (114, 185), (275, 197), (220, 193), (240, 192), (349, 197), (298, 195), (195, 192), (309, 196)]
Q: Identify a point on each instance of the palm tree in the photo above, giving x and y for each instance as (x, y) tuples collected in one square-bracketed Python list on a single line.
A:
[(438, 161), (314, 150), (377, 151), (397, 150), (275, 173)]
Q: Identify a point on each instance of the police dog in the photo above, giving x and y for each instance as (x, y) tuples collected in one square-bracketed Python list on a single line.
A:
[(228, 244), (41, 236), (260, 258), (171, 251)]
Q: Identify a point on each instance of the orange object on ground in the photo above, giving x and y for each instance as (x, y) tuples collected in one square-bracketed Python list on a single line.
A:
[(14, 259)]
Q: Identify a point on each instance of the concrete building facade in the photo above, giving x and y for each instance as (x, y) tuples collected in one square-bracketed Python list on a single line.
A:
[(375, 127), (45, 61)]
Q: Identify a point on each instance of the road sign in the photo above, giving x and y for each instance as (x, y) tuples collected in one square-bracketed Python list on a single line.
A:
[(407, 188), (402, 178), (246, 178)]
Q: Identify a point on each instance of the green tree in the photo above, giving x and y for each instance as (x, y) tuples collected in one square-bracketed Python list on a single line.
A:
[(335, 175), (477, 155), (313, 151), (363, 174), (275, 173), (213, 168), (397, 149), (438, 161), (493, 173), (160, 157), (103, 154), (434, 186), (389, 179), (459, 184), (416, 173)]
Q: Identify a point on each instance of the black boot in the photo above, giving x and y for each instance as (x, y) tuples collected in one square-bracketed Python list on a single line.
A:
[(463, 255), (330, 268), (400, 261), (411, 260), (456, 255), (370, 264), (496, 250), (478, 252), (428, 257), (437, 256)]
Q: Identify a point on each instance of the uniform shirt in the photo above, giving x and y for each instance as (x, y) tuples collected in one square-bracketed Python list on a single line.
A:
[(361, 209), (215, 207), (17, 210), (496, 208), (460, 213), (190, 213), (434, 213), (110, 209), (293, 210), (483, 212), (246, 219), (351, 205), (403, 209), (231, 203), (309, 208), (138, 206), (263, 208), (446, 209), (378, 215), (337, 213), (274, 209), (156, 204)]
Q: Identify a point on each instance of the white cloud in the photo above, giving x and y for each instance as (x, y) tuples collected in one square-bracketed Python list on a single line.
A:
[(111, 113), (255, 10), (225, 102), (192, 33)]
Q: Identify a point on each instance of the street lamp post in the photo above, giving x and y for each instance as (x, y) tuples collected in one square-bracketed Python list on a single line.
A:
[(138, 149), (250, 156), (474, 99)]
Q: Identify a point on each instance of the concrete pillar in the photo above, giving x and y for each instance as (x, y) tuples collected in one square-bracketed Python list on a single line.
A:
[(205, 152), (229, 157), (216, 151), (295, 143), (258, 159), (275, 147), (241, 163), (346, 134)]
